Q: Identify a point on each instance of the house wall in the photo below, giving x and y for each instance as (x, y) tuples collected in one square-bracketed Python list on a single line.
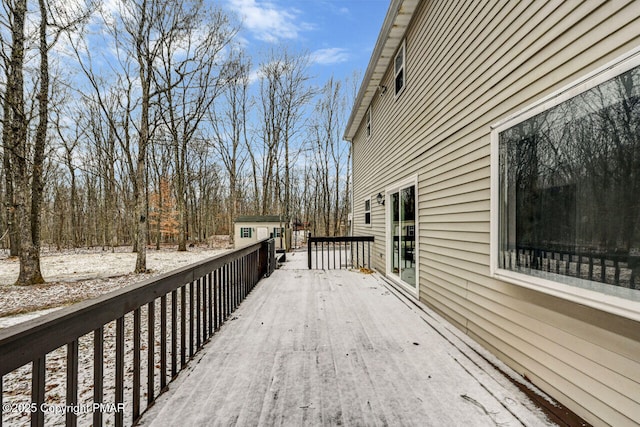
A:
[(470, 64)]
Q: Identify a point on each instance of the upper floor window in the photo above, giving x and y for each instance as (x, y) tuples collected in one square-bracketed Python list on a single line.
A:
[(567, 205), (367, 211), (369, 122), (400, 69)]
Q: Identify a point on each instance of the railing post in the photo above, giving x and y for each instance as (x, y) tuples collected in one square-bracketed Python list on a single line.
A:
[(309, 250)]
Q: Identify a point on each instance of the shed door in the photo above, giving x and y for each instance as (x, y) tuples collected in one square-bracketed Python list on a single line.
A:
[(263, 233)]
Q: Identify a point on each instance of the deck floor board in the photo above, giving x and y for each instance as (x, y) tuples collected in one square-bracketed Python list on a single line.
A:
[(338, 347)]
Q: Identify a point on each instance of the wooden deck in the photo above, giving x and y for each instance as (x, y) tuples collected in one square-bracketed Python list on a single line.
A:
[(338, 347)]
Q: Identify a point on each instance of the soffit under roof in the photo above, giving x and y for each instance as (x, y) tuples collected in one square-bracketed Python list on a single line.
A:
[(391, 35)]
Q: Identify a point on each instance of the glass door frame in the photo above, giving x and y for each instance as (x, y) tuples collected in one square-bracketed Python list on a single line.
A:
[(396, 277)]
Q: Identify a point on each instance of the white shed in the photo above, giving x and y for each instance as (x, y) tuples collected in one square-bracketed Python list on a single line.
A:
[(249, 229)]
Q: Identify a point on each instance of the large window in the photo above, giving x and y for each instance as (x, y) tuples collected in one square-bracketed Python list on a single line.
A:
[(567, 205)]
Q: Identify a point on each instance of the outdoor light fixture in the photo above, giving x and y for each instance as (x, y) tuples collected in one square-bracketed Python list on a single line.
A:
[(382, 89), (380, 199)]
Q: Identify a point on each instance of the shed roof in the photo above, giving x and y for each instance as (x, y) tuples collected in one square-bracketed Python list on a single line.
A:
[(258, 218), (393, 29)]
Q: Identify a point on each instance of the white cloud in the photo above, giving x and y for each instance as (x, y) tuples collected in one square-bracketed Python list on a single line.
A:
[(328, 56), (269, 22)]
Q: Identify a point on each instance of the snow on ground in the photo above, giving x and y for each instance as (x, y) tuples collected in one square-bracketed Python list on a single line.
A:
[(76, 276)]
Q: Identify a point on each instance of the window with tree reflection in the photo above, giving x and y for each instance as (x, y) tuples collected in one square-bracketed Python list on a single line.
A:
[(569, 201)]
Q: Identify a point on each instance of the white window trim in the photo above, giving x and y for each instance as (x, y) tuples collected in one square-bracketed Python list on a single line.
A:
[(413, 180), (365, 211), (402, 49), (600, 300)]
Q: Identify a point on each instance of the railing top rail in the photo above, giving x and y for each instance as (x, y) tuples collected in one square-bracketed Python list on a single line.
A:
[(342, 239), (26, 341)]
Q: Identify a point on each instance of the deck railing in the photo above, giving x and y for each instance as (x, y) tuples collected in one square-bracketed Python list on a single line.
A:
[(325, 253), (194, 302)]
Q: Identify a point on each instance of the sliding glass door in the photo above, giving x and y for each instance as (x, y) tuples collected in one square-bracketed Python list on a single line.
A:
[(402, 234)]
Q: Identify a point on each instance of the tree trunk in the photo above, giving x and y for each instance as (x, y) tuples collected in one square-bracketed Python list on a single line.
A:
[(29, 252), (7, 139), (145, 64)]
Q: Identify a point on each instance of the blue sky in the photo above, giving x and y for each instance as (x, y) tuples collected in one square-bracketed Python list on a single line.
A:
[(339, 35)]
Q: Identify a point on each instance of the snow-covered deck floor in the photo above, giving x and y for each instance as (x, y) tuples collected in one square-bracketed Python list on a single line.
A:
[(337, 347)]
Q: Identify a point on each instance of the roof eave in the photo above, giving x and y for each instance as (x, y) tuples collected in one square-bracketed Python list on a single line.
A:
[(391, 35)]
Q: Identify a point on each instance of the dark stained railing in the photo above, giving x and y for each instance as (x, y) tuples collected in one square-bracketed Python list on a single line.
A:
[(194, 302), (325, 253)]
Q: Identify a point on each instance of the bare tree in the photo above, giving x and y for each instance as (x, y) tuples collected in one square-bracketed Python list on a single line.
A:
[(230, 128), (16, 145), (190, 54), (329, 150), (284, 92)]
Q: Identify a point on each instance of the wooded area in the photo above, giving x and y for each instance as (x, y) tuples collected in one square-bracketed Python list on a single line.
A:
[(144, 122)]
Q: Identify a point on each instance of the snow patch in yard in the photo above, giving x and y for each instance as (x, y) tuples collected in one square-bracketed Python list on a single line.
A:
[(77, 276), (8, 321)]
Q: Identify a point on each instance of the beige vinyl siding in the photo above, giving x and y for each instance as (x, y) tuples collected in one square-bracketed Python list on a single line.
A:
[(468, 65)]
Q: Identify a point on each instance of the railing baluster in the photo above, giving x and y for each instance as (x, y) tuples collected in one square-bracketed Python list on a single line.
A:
[(98, 372), (37, 390), (242, 274), (191, 315), (216, 300), (211, 300), (151, 352), (119, 386), (205, 310), (183, 326), (198, 316), (174, 333), (136, 364), (223, 294), (72, 382), (234, 285), (236, 302), (163, 342), (229, 281)]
